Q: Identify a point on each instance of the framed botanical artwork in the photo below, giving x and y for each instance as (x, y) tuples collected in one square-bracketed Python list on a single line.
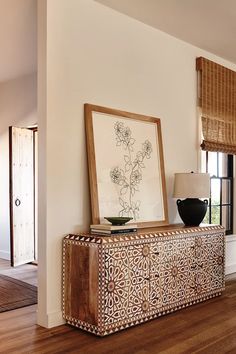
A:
[(126, 166)]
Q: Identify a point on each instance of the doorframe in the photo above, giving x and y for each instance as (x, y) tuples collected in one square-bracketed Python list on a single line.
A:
[(10, 197), (35, 129)]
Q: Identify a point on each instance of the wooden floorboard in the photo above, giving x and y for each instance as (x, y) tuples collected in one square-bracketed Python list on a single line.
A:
[(209, 327)]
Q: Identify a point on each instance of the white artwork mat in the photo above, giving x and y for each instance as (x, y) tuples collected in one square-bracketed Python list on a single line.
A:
[(128, 168)]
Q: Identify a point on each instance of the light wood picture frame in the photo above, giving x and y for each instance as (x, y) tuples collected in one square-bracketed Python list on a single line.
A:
[(126, 166)]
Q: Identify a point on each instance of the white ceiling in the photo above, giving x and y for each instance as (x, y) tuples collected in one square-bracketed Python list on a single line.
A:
[(18, 38), (208, 24)]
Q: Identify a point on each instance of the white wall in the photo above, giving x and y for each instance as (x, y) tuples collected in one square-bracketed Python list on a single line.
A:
[(96, 55), (18, 107)]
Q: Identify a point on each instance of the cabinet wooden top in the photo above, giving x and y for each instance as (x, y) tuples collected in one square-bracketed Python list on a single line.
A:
[(163, 231)]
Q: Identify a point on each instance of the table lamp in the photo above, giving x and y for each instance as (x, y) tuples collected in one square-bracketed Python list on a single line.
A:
[(192, 186)]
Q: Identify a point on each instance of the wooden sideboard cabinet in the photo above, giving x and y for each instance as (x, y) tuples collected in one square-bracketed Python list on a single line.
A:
[(111, 283)]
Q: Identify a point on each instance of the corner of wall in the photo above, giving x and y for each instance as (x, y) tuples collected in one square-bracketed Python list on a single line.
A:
[(5, 255)]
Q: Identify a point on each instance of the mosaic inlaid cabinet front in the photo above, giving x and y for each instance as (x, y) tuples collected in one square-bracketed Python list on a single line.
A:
[(112, 283)]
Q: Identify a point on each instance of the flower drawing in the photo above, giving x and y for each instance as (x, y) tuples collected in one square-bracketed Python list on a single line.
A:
[(147, 149), (117, 175), (129, 177)]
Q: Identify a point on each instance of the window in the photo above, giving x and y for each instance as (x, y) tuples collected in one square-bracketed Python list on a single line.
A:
[(217, 103), (220, 208)]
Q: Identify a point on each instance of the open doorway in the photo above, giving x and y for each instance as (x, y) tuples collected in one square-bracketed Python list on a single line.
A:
[(18, 275), (18, 108)]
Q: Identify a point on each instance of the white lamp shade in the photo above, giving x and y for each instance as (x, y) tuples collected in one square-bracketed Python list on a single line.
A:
[(192, 185)]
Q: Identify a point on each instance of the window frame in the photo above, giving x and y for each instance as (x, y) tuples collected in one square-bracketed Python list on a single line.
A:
[(230, 178)]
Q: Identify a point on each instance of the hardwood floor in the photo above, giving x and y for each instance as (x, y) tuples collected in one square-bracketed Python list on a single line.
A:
[(209, 327), (26, 273)]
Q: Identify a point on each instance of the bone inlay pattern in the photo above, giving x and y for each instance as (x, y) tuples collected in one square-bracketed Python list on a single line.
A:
[(135, 278)]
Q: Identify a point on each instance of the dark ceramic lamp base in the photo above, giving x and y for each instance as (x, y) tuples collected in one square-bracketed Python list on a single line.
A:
[(192, 210)]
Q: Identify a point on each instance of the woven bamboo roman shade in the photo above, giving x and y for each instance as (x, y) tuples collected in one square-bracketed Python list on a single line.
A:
[(217, 99)]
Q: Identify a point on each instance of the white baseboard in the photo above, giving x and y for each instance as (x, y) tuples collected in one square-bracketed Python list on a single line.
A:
[(229, 269), (52, 319), (5, 255), (230, 259)]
